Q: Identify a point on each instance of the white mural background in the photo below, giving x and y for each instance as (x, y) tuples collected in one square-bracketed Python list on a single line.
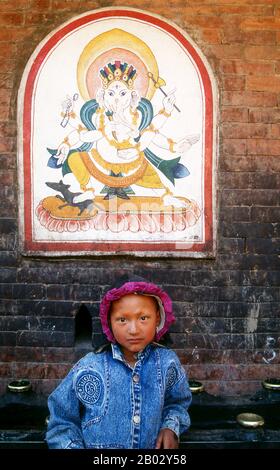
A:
[(58, 78)]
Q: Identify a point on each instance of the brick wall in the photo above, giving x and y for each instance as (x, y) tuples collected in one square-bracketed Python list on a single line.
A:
[(227, 308)]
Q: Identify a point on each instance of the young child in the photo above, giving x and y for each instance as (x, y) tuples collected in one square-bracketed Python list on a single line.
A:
[(130, 393)]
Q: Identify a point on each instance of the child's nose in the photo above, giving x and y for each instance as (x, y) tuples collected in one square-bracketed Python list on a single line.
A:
[(132, 327)]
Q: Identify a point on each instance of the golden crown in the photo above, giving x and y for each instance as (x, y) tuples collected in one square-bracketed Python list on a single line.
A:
[(118, 71)]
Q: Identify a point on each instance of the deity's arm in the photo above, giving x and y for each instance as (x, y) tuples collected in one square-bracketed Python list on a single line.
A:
[(152, 135), (71, 120), (90, 136), (93, 135), (160, 119), (80, 133), (164, 142), (74, 140)]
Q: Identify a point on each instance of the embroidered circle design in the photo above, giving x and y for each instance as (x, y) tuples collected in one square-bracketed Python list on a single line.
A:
[(89, 388), (171, 377)]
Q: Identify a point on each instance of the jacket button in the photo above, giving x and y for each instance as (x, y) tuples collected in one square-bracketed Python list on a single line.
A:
[(135, 378), (136, 419)]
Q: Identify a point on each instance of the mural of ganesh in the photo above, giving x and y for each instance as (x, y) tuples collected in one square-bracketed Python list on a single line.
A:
[(114, 148), (117, 139)]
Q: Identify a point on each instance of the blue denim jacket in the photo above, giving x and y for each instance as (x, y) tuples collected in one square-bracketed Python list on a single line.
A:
[(104, 403)]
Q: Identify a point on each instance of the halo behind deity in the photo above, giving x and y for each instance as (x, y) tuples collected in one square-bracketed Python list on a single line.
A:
[(112, 45)]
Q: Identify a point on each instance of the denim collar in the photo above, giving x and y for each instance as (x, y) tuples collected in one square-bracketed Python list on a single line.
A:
[(141, 356)]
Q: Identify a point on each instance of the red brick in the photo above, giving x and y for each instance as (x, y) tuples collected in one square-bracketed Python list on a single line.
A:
[(190, 356), (265, 163), (243, 2), (7, 161), (5, 96), (203, 21), (236, 163), (235, 180), (40, 18), (234, 147), (260, 37), (247, 197), (40, 4), (243, 131), (263, 24), (29, 370), (268, 115), (6, 80), (232, 388), (211, 36), (250, 98), (7, 178), (15, 34), (233, 82), (239, 67), (59, 355), (57, 371), (7, 144), (8, 129), (263, 83), (11, 19), (7, 51), (74, 5), (256, 371), (228, 9), (206, 371), (262, 52), (31, 354), (7, 5), (225, 51), (6, 369), (232, 35), (8, 66), (7, 354), (263, 147), (234, 115), (274, 131)]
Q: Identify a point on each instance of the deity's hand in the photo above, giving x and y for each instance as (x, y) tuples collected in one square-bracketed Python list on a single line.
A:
[(67, 104), (169, 101), (185, 144), (62, 153)]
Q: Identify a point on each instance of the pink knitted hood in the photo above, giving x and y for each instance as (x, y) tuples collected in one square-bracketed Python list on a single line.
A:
[(141, 287)]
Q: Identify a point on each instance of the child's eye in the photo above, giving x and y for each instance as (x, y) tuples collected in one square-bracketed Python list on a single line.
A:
[(123, 93), (144, 317), (121, 320)]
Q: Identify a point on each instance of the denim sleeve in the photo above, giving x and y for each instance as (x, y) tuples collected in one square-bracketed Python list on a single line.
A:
[(177, 400), (64, 428)]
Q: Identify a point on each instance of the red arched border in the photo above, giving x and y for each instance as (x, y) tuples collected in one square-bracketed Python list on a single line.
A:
[(31, 246)]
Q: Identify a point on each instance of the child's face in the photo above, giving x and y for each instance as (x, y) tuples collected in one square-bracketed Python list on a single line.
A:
[(134, 319)]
